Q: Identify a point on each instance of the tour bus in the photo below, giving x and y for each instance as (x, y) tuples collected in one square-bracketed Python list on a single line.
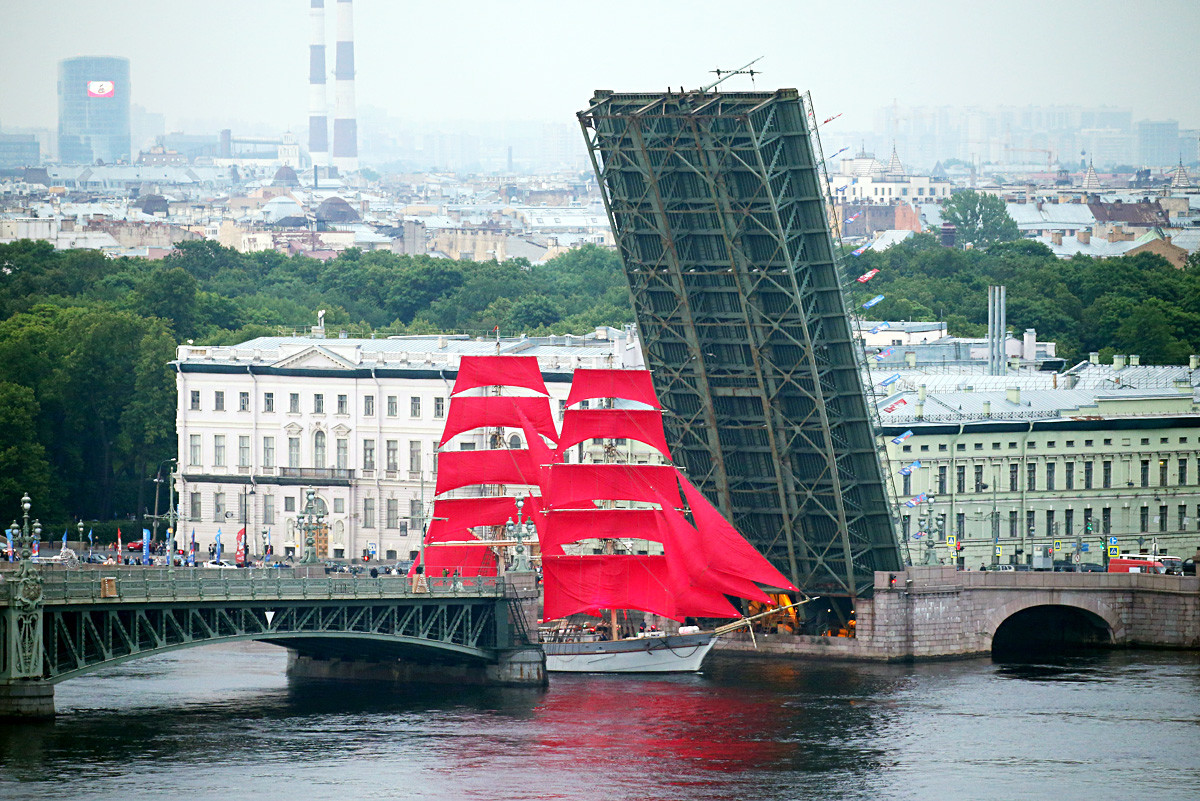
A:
[(1146, 563)]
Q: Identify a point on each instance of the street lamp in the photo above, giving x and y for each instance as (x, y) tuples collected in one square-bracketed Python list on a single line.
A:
[(158, 479), (24, 536), (931, 558), (79, 528), (309, 522)]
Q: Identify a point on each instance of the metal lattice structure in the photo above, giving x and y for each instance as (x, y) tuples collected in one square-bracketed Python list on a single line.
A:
[(91, 621), (717, 204)]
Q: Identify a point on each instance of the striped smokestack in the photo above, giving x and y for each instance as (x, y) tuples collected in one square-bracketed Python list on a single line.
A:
[(345, 122), (318, 107)]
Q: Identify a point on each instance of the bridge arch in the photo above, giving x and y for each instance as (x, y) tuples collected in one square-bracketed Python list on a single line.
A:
[(345, 645), (1052, 621), (77, 641)]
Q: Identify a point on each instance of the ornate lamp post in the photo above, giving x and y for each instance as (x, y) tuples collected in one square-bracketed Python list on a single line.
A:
[(931, 557), (519, 531), (309, 522), (28, 577)]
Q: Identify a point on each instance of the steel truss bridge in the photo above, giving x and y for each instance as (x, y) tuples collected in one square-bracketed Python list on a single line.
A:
[(718, 204), (65, 623)]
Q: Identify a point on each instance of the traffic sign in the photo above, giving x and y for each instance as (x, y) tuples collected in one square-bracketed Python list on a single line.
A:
[(1057, 546), (951, 540), (1113, 550), (1084, 547), (998, 549), (371, 548), (1078, 558), (1112, 540)]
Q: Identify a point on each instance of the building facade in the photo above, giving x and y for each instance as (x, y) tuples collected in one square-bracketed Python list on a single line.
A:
[(93, 110), (1015, 470), (356, 420)]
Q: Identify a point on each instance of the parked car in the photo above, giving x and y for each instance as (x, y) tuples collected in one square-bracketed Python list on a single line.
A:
[(219, 564), (1189, 566)]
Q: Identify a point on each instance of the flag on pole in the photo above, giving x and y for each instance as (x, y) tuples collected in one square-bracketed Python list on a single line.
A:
[(855, 217), (239, 557), (120, 553), (908, 468), (902, 437), (880, 327), (91, 540), (883, 354), (192, 550), (860, 251), (35, 547), (145, 546), (8, 534), (218, 556), (894, 377), (64, 540), (872, 301)]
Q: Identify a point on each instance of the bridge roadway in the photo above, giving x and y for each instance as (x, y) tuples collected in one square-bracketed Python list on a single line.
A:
[(78, 620), (940, 612)]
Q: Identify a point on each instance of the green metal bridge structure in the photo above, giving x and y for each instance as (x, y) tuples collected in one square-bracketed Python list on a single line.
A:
[(59, 623), (719, 205)]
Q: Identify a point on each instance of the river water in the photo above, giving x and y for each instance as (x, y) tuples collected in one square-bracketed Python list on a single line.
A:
[(224, 722)]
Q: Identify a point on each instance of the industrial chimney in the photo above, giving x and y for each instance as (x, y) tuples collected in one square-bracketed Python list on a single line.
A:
[(318, 107), (345, 122)]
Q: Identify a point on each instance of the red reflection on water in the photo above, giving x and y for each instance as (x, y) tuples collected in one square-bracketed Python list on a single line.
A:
[(608, 721)]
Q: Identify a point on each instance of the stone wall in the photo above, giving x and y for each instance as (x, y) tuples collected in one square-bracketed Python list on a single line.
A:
[(940, 612)]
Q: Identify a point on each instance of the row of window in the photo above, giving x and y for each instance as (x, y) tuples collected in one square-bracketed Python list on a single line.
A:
[(1054, 527), (391, 520), (1050, 476), (319, 452), (318, 404), (961, 447)]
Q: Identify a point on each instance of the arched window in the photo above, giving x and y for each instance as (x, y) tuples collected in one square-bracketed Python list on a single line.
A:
[(514, 442), (319, 449)]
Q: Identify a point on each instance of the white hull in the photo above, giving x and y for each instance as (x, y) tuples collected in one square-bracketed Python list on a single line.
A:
[(676, 653)]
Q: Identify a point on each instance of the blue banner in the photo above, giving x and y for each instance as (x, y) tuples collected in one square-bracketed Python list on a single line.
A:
[(218, 556), (145, 546)]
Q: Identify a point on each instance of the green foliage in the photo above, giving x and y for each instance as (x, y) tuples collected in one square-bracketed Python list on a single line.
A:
[(87, 397), (1134, 304), (980, 218)]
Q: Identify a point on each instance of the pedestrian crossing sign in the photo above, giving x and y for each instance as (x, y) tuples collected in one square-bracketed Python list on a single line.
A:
[(1057, 546), (951, 540), (998, 549), (1114, 550)]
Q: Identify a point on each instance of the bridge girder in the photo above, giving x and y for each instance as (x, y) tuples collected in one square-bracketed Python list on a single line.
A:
[(82, 639)]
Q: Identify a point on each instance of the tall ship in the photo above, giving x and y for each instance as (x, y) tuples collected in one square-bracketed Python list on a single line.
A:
[(620, 530)]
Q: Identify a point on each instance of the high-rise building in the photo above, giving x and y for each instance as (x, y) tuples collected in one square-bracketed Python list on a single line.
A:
[(93, 110), (1158, 143)]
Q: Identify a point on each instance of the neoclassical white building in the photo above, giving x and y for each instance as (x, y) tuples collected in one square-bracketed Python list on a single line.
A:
[(356, 420)]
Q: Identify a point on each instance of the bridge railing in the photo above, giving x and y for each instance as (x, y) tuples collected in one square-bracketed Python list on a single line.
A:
[(193, 584)]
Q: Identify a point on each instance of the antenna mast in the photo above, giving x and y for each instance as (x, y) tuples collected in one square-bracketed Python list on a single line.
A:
[(723, 75)]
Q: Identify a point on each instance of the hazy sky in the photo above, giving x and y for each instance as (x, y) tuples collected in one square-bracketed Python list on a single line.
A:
[(247, 60)]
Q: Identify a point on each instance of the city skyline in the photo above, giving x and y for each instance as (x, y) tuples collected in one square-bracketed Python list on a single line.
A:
[(444, 64)]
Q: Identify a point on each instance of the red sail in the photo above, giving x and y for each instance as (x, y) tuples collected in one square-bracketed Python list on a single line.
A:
[(462, 560), (573, 525), (460, 513), (498, 410), (464, 468), (634, 385), (576, 584), (726, 547), (571, 484), (692, 567), (502, 371), (643, 425)]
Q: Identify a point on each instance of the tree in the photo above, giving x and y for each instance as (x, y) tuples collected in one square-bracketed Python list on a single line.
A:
[(980, 218)]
